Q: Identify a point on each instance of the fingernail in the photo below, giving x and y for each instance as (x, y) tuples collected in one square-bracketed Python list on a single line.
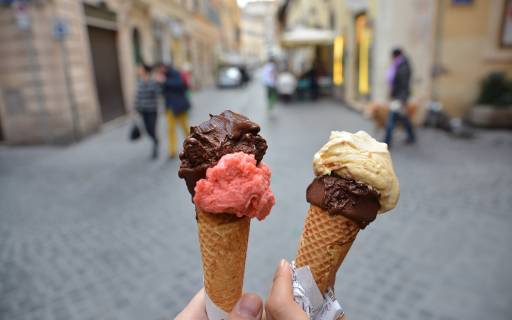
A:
[(249, 305), (284, 265)]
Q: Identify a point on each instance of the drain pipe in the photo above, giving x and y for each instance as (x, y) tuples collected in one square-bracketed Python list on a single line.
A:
[(437, 69)]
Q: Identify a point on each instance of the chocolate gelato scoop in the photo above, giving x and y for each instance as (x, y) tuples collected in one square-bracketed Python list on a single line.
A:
[(344, 196), (222, 134)]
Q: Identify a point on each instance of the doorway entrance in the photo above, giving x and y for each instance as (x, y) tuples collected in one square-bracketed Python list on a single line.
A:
[(106, 72)]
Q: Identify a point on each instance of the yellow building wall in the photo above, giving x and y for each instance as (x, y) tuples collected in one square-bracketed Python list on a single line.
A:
[(410, 25), (252, 37), (344, 27), (205, 43), (230, 22), (470, 50)]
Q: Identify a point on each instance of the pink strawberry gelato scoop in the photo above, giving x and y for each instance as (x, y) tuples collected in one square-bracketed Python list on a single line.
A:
[(236, 185)]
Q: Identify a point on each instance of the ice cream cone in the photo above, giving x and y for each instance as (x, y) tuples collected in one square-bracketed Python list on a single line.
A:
[(324, 243), (223, 240), (221, 165), (354, 181)]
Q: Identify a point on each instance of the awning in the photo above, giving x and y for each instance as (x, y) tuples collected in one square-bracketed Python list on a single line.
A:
[(233, 59), (307, 36)]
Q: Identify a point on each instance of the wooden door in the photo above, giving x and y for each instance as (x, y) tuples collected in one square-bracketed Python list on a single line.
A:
[(106, 72)]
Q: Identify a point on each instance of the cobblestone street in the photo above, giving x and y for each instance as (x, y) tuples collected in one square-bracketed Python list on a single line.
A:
[(97, 231)]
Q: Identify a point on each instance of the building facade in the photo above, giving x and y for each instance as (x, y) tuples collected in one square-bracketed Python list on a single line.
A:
[(452, 45), (469, 45), (258, 30), (68, 66), (230, 36), (307, 37)]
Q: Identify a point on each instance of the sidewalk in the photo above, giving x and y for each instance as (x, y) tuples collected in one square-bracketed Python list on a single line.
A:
[(97, 231)]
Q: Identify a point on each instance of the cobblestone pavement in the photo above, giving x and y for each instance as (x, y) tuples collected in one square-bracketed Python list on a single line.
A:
[(97, 231)]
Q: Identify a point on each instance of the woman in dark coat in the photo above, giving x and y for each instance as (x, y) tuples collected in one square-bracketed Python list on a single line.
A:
[(399, 78), (174, 89)]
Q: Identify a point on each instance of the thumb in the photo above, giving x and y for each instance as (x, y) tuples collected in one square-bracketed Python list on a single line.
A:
[(280, 304), (249, 307)]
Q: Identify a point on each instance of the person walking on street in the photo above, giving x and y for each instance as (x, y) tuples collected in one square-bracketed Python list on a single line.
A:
[(146, 104), (269, 75), (399, 78), (314, 89), (177, 104), (286, 85)]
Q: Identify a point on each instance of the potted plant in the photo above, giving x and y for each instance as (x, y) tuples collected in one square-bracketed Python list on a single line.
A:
[(494, 104)]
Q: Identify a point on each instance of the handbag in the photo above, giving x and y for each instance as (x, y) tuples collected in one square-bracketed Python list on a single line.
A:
[(134, 131)]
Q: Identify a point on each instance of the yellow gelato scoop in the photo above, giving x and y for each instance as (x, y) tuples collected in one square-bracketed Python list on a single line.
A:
[(362, 158)]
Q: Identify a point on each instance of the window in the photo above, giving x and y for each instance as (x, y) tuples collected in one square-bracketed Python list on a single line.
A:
[(506, 25), (136, 43)]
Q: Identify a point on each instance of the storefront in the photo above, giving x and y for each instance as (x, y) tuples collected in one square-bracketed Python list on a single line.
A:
[(362, 45), (310, 50)]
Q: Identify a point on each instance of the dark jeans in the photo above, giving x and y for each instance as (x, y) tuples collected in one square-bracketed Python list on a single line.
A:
[(395, 116), (314, 91), (149, 119)]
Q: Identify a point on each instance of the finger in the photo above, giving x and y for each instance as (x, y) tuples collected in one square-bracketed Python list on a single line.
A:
[(249, 307), (282, 283), (276, 292), (280, 304), (196, 308)]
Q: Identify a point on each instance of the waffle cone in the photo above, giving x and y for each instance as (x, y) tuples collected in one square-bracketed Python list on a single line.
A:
[(324, 243), (223, 241)]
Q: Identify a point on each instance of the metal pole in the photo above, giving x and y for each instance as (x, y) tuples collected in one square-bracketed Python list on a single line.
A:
[(438, 51), (37, 85), (75, 116)]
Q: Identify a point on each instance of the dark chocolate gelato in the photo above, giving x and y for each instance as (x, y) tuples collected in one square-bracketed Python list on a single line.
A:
[(225, 133), (344, 196)]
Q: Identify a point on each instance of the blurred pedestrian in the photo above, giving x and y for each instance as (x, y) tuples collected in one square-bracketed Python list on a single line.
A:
[(186, 74), (269, 75), (286, 85), (314, 89), (303, 86), (399, 78), (245, 75), (177, 105), (146, 103)]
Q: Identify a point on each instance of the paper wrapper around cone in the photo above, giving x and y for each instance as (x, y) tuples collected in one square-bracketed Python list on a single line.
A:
[(324, 243), (223, 241)]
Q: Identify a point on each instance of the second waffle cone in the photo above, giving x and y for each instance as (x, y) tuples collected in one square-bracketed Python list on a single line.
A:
[(324, 243), (223, 240)]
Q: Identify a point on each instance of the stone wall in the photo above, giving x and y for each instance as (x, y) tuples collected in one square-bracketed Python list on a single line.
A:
[(35, 89), (42, 101)]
